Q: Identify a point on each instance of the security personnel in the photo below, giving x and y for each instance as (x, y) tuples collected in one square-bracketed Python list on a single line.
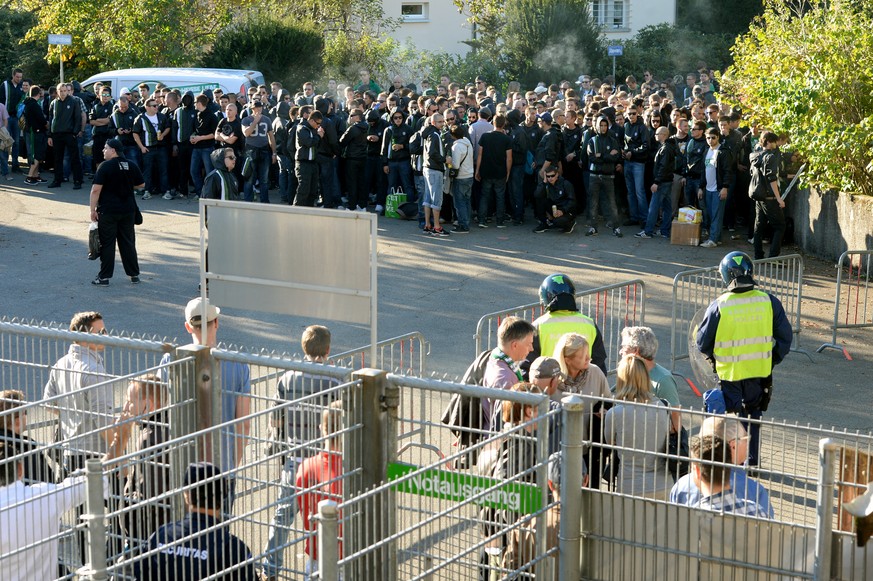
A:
[(558, 297), (745, 333), (187, 554)]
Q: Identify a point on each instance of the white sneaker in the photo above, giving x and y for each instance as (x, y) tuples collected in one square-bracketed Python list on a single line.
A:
[(379, 208), (708, 244), (168, 196), (146, 195)]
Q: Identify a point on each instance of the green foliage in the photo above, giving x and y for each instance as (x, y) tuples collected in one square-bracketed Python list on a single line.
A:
[(717, 17), (262, 43), (806, 70), (130, 34), (14, 24), (413, 64), (550, 40), (345, 53), (670, 50)]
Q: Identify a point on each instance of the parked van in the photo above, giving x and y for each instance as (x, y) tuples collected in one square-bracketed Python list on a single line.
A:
[(194, 80)]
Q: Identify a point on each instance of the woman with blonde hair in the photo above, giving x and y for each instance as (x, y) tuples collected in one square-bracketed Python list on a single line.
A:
[(639, 424), (573, 354)]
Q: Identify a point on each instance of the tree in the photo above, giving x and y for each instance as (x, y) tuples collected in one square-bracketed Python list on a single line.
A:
[(261, 42), (804, 69), (130, 34), (550, 40), (717, 16), (667, 50)]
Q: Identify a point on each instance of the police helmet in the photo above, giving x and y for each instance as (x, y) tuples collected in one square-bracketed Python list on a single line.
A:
[(554, 286), (735, 265)]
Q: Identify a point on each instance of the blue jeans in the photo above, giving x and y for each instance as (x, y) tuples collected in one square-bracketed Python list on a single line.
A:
[(715, 213), (12, 126), (462, 190), (434, 189), (692, 185), (400, 176), (285, 171), (329, 182), (493, 189), (283, 520), (634, 177), (261, 159), (516, 192), (200, 159), (155, 160), (661, 202), (420, 191)]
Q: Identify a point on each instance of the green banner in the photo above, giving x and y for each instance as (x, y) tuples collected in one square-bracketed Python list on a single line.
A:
[(515, 496)]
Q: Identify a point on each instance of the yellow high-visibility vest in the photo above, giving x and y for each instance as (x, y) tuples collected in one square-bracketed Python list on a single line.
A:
[(552, 326), (744, 338)]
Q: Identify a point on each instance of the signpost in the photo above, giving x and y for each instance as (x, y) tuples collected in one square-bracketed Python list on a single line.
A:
[(60, 40), (614, 50)]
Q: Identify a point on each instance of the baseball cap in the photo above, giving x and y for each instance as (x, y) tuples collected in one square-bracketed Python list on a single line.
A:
[(204, 494), (116, 144), (540, 90), (194, 310), (545, 367), (582, 79), (547, 117), (124, 91)]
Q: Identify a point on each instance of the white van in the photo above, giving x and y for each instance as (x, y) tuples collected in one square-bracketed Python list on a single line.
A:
[(194, 80)]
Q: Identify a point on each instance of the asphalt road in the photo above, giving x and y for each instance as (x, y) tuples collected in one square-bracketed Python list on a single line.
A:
[(439, 287)]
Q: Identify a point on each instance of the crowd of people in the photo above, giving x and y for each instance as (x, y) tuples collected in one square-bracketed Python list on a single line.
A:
[(630, 153), (634, 438)]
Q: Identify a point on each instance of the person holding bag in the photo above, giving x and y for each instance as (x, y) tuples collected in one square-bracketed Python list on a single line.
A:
[(114, 208)]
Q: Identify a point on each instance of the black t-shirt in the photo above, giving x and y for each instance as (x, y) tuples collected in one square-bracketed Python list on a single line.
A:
[(494, 146), (229, 128), (118, 176)]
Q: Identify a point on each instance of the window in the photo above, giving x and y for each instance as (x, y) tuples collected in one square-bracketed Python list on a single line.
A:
[(609, 14), (414, 11)]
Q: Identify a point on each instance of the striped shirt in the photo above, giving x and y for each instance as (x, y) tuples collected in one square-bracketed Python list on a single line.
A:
[(727, 501)]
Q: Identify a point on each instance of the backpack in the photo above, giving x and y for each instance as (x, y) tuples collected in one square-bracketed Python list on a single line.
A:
[(416, 143), (464, 414)]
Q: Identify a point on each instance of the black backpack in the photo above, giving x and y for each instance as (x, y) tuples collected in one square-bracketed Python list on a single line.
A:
[(464, 414)]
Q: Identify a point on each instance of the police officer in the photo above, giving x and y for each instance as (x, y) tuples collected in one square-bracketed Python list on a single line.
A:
[(558, 297), (745, 333), (186, 553)]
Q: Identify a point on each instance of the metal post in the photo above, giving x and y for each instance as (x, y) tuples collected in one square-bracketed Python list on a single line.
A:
[(95, 568), (368, 528), (208, 401), (572, 452), (391, 406), (544, 568), (182, 420), (61, 60), (328, 541), (824, 519), (614, 80), (833, 344)]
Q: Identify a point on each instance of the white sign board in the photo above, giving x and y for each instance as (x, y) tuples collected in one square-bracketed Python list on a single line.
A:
[(290, 260), (60, 39)]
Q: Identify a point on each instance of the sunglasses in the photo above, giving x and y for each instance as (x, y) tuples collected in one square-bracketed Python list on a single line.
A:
[(551, 176)]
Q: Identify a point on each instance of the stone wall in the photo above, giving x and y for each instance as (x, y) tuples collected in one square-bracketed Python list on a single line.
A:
[(827, 224)]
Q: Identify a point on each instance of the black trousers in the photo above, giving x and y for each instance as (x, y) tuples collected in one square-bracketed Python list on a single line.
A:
[(356, 182), (97, 150), (307, 186), (768, 211), (63, 142), (120, 228)]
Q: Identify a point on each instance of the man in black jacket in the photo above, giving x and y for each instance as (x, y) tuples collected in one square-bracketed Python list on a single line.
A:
[(396, 157), (764, 189), (434, 175), (354, 147), (328, 149), (11, 94), (665, 164), (35, 135), (636, 151), (555, 203), (603, 153), (308, 136), (202, 141), (65, 127)]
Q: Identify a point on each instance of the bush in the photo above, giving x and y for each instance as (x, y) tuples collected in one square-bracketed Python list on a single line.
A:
[(805, 69), (285, 51), (29, 56), (668, 50)]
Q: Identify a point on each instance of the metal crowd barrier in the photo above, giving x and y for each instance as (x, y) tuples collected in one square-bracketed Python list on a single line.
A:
[(696, 289), (405, 354), (613, 307), (853, 302)]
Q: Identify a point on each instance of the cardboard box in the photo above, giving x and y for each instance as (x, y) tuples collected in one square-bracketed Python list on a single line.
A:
[(684, 233)]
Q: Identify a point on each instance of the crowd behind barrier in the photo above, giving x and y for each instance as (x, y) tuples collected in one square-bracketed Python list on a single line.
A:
[(436, 518)]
